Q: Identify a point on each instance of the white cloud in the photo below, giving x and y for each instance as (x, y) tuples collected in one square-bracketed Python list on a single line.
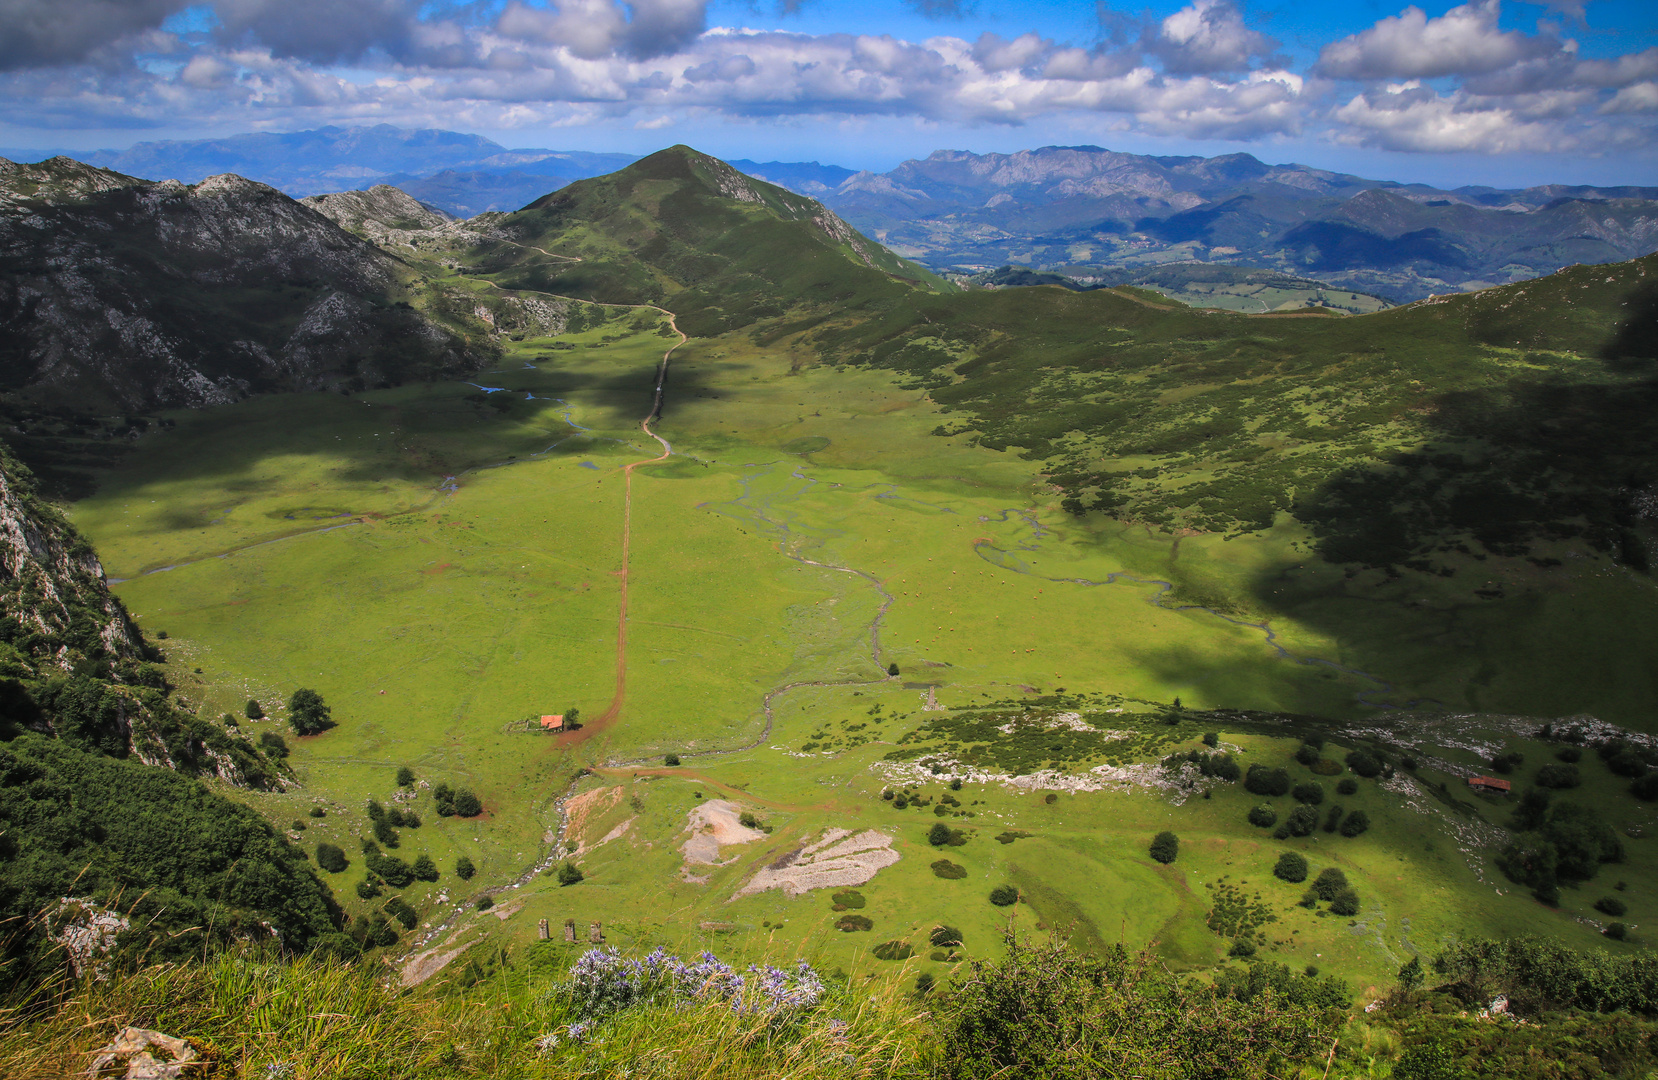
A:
[(1415, 118), (1208, 37), (1463, 41)]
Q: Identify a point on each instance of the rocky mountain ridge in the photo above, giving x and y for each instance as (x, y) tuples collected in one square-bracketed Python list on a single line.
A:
[(124, 294)]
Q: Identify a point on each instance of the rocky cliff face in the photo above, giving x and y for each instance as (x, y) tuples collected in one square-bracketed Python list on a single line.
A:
[(119, 294), (73, 665), (382, 214)]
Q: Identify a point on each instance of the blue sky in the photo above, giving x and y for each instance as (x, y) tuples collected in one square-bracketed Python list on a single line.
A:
[(1491, 91)]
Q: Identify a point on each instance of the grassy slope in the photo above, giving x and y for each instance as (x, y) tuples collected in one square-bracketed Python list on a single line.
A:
[(479, 603)]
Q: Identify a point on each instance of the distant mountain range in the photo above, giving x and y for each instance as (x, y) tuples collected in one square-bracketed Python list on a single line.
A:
[(1080, 211)]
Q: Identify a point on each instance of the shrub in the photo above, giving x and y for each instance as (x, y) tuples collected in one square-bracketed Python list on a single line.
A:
[(368, 889), (569, 873), (1355, 823), (1242, 949), (399, 909), (848, 899), (948, 870), (1559, 777), (1165, 846), (924, 981), (1307, 754), (1326, 767), (331, 858), (1646, 787), (1329, 882), (1211, 739), (394, 871), (273, 744), (443, 800), (938, 835), (1627, 763), (1333, 818), (1611, 905), (748, 821), (1410, 976), (1616, 931), (893, 950), (1507, 762), (307, 713), (1571, 755), (1345, 902), (671, 760), (298, 825), (425, 869), (1004, 895), (945, 936), (1310, 793), (467, 804), (253, 711), (1408, 764), (1266, 780), (318, 812), (1263, 816), (464, 868), (1044, 1011), (394, 817), (853, 924), (1291, 867), (1364, 763), (1347, 786), (405, 776), (1428, 1061), (384, 833), (411, 820), (1302, 821), (484, 902), (892, 668)]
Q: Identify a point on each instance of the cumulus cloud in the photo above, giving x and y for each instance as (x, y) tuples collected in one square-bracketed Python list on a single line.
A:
[(1206, 38), (1463, 41), (1409, 116), (42, 33), (321, 31), (594, 28)]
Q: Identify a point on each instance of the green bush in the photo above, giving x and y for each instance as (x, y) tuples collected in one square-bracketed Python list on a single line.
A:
[(938, 835), (1328, 883), (425, 869), (671, 760), (1165, 847), (1617, 931), (893, 950), (1332, 819), (1004, 895), (318, 812), (331, 858), (854, 923), (1365, 764), (1310, 793), (1291, 867), (1506, 763), (1347, 786), (253, 710), (1267, 780), (1307, 754), (1044, 1012), (274, 745), (405, 776), (484, 902), (1559, 776), (1302, 821), (394, 871), (1211, 739), (1345, 902), (848, 900), (944, 936), (467, 804), (1428, 1061), (1263, 816), (1611, 905), (400, 910), (368, 889), (569, 873), (1355, 823), (443, 800), (948, 870), (464, 868)]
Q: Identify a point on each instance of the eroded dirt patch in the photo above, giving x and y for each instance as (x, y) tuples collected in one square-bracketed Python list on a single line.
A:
[(837, 859), (713, 825)]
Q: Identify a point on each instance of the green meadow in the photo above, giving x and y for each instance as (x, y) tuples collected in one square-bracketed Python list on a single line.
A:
[(441, 561)]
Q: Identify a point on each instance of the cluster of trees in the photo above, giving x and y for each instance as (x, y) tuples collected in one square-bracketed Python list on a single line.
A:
[(384, 823), (1556, 843), (1331, 886), (1220, 766), (452, 802)]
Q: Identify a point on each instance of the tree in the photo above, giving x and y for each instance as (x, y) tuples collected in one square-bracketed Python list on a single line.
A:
[(425, 869), (1611, 905), (1263, 816), (1347, 786), (938, 835), (331, 858), (443, 799), (405, 776), (1329, 882), (1165, 846), (368, 888), (892, 669), (467, 804), (1004, 895), (253, 711), (1291, 867), (1365, 764), (400, 910), (1302, 821), (274, 745), (569, 873), (672, 760), (1355, 823), (1211, 739), (1311, 793), (1345, 902), (308, 714), (1266, 780), (464, 868)]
